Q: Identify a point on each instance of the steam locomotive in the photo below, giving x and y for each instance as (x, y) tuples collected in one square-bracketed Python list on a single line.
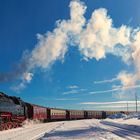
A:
[(14, 111)]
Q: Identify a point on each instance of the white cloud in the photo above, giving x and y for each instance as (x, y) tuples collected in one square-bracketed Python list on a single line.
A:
[(57, 99), (74, 90), (106, 81), (126, 78), (73, 87), (67, 99), (108, 103), (117, 105), (82, 89), (104, 91), (122, 88), (71, 92), (124, 91)]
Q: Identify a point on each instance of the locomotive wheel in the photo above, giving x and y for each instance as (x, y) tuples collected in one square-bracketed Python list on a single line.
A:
[(5, 127), (15, 125), (9, 125)]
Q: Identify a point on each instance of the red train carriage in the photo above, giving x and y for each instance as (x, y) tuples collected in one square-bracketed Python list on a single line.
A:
[(57, 114), (36, 112), (76, 114), (95, 114), (98, 114), (39, 113)]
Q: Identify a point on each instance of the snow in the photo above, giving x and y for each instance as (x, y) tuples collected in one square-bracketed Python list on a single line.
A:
[(118, 115), (80, 130), (133, 121), (124, 116), (29, 131), (88, 129), (133, 115)]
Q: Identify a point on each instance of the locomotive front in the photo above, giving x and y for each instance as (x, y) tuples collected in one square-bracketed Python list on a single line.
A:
[(12, 112)]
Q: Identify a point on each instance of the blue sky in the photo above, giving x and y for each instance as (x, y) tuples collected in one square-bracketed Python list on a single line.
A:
[(72, 80)]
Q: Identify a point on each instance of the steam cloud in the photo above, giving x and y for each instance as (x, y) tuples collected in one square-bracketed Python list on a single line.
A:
[(95, 38)]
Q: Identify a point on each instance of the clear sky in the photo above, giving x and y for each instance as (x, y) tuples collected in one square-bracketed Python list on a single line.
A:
[(84, 60)]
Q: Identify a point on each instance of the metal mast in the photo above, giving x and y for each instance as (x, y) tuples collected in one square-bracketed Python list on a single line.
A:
[(136, 102), (127, 107)]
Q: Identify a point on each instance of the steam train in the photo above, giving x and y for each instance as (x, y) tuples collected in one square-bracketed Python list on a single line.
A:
[(14, 111)]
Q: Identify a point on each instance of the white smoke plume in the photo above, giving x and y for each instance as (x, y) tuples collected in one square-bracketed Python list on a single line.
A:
[(25, 79), (53, 46), (95, 38), (100, 37)]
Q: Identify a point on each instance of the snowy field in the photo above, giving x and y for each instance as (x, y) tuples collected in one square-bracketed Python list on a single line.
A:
[(94, 130), (116, 129)]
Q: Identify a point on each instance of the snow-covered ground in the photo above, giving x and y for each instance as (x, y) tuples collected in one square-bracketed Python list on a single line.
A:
[(92, 129), (80, 130), (28, 132), (131, 122)]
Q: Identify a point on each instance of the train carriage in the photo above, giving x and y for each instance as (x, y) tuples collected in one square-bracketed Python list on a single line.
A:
[(108, 113), (76, 114), (57, 114), (36, 112), (96, 114), (39, 113)]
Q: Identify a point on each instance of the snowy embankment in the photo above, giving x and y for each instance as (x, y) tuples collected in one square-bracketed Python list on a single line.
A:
[(131, 124), (131, 121), (127, 132), (95, 130), (28, 131)]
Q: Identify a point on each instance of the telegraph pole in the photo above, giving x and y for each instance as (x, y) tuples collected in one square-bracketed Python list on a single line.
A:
[(136, 102), (127, 107)]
